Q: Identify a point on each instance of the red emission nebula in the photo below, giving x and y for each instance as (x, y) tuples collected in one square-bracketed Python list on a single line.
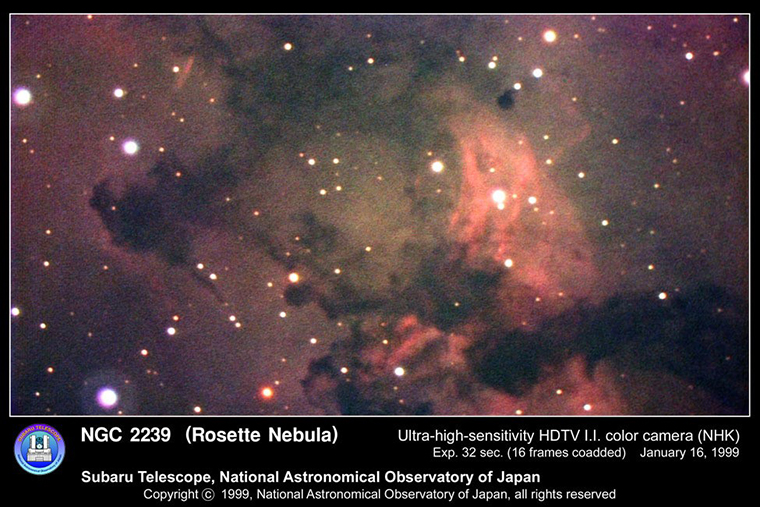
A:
[(512, 215), (391, 215)]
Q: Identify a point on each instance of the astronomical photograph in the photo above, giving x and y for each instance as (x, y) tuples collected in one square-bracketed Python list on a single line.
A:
[(481, 215)]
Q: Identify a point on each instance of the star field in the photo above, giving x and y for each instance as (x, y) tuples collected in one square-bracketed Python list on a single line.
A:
[(513, 215)]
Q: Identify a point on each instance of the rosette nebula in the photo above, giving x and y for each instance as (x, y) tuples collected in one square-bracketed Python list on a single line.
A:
[(500, 215)]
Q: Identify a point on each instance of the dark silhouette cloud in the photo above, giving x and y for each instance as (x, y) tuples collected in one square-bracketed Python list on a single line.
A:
[(160, 217), (700, 336), (507, 99)]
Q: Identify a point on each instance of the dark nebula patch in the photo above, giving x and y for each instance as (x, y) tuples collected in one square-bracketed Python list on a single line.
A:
[(507, 99), (299, 295), (630, 332), (155, 218)]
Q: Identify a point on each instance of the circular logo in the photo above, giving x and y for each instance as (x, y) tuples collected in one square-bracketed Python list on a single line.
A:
[(39, 449)]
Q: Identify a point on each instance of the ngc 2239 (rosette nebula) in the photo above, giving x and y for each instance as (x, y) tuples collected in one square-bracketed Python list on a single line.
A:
[(369, 214)]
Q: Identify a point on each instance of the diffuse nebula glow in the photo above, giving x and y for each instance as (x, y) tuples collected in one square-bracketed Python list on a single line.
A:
[(536, 231), (379, 215)]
